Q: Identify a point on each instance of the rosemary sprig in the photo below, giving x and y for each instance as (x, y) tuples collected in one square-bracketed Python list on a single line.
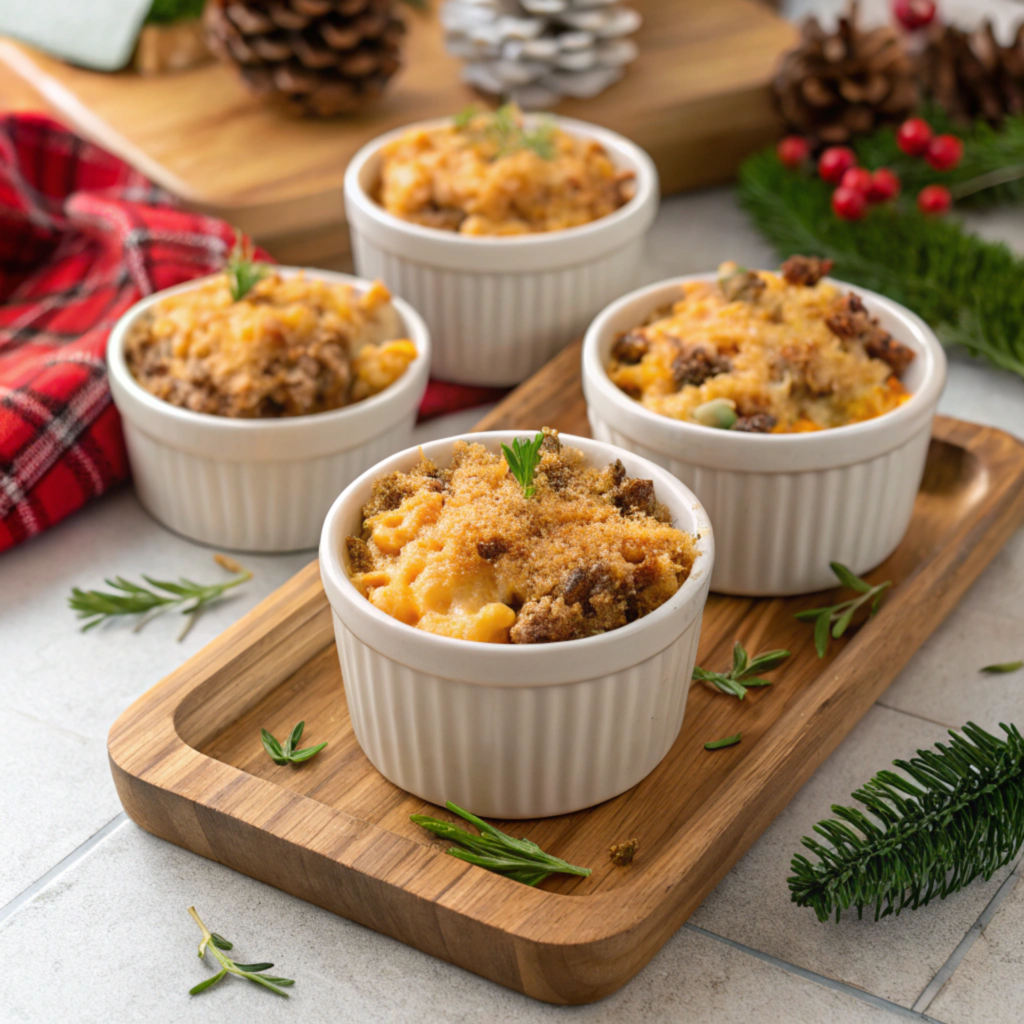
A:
[(286, 753), (518, 859), (729, 741), (523, 458), (217, 944), (99, 605), (959, 815), (1004, 667), (504, 128), (244, 272), (744, 671), (834, 620)]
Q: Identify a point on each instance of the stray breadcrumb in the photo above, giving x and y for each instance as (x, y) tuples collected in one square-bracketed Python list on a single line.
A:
[(622, 854), (227, 562)]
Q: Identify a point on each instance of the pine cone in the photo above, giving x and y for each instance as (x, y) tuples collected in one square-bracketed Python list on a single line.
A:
[(970, 75), (320, 57), (534, 52), (833, 86)]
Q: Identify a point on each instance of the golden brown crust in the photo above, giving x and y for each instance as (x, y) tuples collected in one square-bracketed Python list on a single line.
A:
[(461, 552)]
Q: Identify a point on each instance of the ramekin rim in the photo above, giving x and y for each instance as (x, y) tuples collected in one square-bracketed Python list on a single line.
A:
[(918, 404), (687, 595), (646, 178), (117, 364)]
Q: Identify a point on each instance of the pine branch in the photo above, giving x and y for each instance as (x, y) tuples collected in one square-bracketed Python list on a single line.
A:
[(971, 291), (960, 815)]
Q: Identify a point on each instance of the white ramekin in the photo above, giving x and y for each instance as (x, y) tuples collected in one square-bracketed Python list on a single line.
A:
[(515, 731), (499, 308), (258, 485), (783, 505)]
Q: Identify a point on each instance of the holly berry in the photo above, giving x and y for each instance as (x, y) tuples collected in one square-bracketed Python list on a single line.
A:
[(913, 136), (793, 150), (944, 152), (885, 185), (858, 179), (849, 203), (934, 199), (914, 14), (835, 162)]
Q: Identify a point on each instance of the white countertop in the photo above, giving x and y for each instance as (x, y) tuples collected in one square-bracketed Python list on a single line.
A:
[(93, 923)]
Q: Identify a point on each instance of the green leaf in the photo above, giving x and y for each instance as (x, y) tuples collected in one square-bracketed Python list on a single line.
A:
[(271, 745), (843, 622), (848, 579), (256, 979), (208, 983), (523, 458), (254, 967), (243, 272), (307, 753), (739, 658), (811, 614), (1004, 667), (729, 741), (293, 740), (821, 633), (768, 661), (220, 942)]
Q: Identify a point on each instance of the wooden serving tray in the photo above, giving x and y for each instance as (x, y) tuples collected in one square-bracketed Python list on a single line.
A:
[(189, 766), (697, 99)]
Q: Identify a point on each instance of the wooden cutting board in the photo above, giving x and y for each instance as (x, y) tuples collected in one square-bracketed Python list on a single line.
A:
[(697, 100), (189, 767)]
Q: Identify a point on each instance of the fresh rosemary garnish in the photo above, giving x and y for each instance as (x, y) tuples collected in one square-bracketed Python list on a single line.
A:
[(744, 672), (959, 815), (286, 753), (217, 944), (504, 128), (835, 619), (729, 741), (243, 271), (1004, 667), (518, 859), (523, 458), (98, 605)]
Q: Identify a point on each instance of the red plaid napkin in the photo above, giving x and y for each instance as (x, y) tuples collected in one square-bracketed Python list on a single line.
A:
[(82, 237)]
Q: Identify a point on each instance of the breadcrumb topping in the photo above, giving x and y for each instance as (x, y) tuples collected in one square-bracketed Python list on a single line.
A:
[(784, 352), (459, 551)]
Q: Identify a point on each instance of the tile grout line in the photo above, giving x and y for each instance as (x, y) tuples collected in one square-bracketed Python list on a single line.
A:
[(60, 867), (913, 714), (879, 1002), (945, 972)]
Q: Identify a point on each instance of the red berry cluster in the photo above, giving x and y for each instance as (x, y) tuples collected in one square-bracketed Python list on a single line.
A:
[(857, 187), (943, 152), (914, 14)]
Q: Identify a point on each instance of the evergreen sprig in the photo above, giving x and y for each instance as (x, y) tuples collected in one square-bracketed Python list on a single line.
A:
[(959, 815), (970, 290), (519, 859)]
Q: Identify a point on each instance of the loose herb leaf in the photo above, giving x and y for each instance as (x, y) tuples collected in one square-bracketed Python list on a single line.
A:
[(518, 859), (523, 458), (743, 674), (1004, 667), (959, 815), (729, 741), (286, 753), (215, 944), (99, 605), (834, 620), (243, 271)]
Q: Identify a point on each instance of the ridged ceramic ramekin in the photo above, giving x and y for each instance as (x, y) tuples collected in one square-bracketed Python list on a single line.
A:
[(499, 308), (258, 485), (515, 731), (783, 505)]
